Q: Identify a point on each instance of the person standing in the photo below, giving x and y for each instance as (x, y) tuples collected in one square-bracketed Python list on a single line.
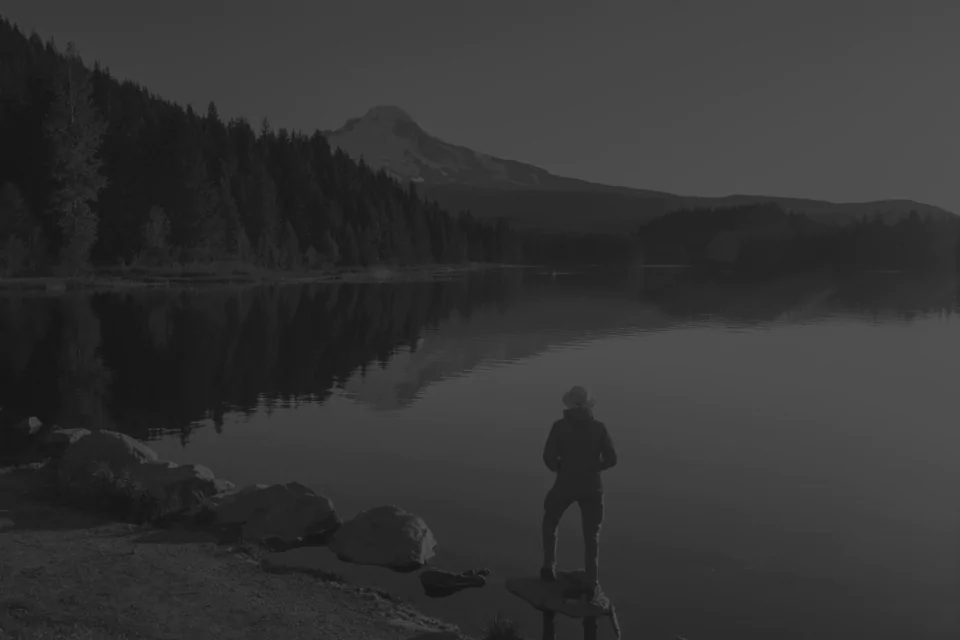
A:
[(578, 449)]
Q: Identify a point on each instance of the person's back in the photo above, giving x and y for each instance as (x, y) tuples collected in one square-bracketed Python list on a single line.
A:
[(577, 449)]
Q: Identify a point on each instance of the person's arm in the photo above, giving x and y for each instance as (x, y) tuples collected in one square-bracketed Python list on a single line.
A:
[(607, 451), (551, 450)]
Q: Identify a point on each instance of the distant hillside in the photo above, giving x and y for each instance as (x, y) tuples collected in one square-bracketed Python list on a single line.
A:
[(763, 239), (532, 198)]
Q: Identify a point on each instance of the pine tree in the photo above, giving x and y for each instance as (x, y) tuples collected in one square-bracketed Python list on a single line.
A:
[(16, 230), (368, 245), (74, 130), (329, 251), (198, 227), (156, 230), (229, 219), (289, 247), (266, 216), (15, 219), (351, 250), (156, 234)]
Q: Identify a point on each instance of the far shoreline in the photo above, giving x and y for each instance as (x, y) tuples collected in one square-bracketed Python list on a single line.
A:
[(227, 274)]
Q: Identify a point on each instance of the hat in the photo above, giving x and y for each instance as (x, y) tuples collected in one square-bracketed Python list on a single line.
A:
[(578, 397)]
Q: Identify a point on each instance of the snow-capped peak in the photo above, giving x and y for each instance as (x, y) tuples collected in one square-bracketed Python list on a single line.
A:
[(387, 138), (387, 113)]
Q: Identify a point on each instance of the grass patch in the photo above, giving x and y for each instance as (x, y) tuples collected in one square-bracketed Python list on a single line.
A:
[(502, 629)]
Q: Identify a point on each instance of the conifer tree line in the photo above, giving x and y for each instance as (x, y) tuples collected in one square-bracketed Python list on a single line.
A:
[(763, 238), (95, 170)]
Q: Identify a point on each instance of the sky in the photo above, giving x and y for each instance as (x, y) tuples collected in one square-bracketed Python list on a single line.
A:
[(834, 99)]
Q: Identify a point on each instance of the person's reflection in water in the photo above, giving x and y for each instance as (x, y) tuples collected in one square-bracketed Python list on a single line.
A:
[(550, 627), (577, 450)]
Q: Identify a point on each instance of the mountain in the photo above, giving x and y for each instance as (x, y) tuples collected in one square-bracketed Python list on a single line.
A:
[(533, 198), (387, 137)]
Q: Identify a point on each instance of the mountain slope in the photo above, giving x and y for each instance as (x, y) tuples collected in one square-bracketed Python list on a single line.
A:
[(387, 137), (532, 198)]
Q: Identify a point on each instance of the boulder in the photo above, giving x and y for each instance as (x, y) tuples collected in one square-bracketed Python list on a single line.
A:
[(178, 486), (562, 596), (385, 536), (223, 486), (65, 437), (28, 426), (18, 438), (116, 451), (241, 505), (291, 513), (57, 440), (439, 584)]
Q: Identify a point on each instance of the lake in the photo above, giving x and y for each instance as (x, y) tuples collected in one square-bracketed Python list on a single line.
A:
[(788, 449)]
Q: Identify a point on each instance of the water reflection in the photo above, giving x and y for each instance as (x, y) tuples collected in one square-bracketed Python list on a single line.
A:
[(548, 626), (155, 362)]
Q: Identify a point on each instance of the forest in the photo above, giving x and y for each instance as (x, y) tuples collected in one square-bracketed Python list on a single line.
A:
[(764, 239), (98, 171)]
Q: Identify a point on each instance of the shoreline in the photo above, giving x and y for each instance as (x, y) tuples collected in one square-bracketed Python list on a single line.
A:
[(124, 279), (89, 564), (75, 573)]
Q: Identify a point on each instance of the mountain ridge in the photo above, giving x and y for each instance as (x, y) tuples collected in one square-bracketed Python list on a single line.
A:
[(385, 132), (459, 178)]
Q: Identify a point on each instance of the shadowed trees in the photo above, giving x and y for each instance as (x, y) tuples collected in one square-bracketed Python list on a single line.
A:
[(94, 159), (765, 240)]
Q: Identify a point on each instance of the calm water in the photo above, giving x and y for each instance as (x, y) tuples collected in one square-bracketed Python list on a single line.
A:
[(789, 451)]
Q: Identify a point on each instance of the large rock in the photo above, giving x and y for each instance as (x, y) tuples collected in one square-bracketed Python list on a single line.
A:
[(28, 426), (56, 441), (116, 451), (562, 596), (440, 584), (289, 513), (178, 486), (165, 484), (385, 536), (65, 437), (18, 438)]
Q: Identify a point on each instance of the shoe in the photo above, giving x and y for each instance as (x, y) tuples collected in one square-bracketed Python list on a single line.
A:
[(548, 574), (592, 594)]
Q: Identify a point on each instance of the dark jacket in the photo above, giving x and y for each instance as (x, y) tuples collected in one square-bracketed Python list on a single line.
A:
[(578, 449)]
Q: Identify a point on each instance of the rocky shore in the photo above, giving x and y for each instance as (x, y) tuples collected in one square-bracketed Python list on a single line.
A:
[(101, 536)]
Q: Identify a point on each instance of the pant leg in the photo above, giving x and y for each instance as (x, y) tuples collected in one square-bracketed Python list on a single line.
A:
[(554, 506), (591, 515)]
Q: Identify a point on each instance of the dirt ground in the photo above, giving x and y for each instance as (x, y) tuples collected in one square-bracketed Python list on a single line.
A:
[(73, 574)]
